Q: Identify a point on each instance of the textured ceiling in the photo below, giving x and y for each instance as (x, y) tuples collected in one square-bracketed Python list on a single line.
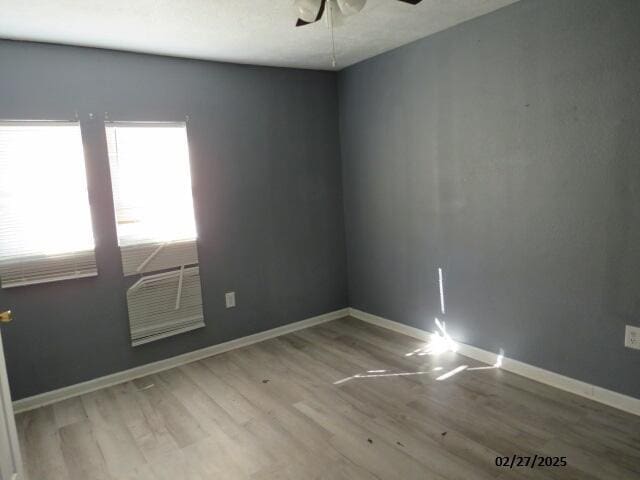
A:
[(243, 31)]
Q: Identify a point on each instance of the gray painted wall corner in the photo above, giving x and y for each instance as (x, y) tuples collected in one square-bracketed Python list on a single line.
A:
[(504, 150)]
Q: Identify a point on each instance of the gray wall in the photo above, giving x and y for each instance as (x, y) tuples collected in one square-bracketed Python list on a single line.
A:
[(507, 151), (268, 200)]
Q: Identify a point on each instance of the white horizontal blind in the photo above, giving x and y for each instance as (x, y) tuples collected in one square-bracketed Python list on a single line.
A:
[(45, 220), (156, 227), (151, 182), (165, 304), (153, 257)]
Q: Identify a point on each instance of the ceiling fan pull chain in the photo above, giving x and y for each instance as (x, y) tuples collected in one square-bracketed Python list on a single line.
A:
[(333, 41)]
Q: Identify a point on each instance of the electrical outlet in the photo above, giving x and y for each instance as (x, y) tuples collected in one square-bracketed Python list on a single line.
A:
[(230, 299), (632, 337)]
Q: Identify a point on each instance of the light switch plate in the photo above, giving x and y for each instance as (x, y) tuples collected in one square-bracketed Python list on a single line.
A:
[(230, 299), (632, 337)]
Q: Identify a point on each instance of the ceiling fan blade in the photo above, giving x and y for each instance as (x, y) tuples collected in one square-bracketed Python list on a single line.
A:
[(350, 7), (309, 11)]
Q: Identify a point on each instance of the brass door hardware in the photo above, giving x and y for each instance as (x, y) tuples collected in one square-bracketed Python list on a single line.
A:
[(6, 317)]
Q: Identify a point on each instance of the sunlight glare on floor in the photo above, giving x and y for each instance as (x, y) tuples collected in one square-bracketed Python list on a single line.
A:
[(439, 342)]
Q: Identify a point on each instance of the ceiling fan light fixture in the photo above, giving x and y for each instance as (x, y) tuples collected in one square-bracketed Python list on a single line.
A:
[(350, 7), (337, 15), (310, 11)]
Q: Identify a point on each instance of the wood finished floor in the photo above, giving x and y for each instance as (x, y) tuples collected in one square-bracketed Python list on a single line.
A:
[(273, 411)]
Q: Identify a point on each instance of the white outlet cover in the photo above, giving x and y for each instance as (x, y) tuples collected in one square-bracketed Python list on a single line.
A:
[(230, 299), (632, 337)]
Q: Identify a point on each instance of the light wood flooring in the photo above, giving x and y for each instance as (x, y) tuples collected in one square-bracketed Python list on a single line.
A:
[(273, 411)]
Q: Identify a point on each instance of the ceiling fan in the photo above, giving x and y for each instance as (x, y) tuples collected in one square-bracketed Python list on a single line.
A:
[(311, 11)]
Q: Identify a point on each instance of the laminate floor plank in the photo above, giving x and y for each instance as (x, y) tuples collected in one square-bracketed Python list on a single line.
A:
[(40, 437), (117, 445), (82, 454), (365, 448), (233, 403), (230, 373), (182, 426), (228, 436), (340, 400), (69, 411), (146, 425)]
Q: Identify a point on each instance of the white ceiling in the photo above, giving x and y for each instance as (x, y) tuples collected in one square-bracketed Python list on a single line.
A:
[(244, 31)]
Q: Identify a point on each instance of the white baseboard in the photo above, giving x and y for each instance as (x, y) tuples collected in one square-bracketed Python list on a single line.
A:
[(592, 392), (53, 396)]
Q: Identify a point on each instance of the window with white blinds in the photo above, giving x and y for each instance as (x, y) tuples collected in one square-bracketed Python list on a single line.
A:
[(45, 220), (151, 182), (156, 227)]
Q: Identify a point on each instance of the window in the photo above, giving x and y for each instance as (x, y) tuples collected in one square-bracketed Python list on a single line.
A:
[(45, 220), (156, 227), (152, 193)]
